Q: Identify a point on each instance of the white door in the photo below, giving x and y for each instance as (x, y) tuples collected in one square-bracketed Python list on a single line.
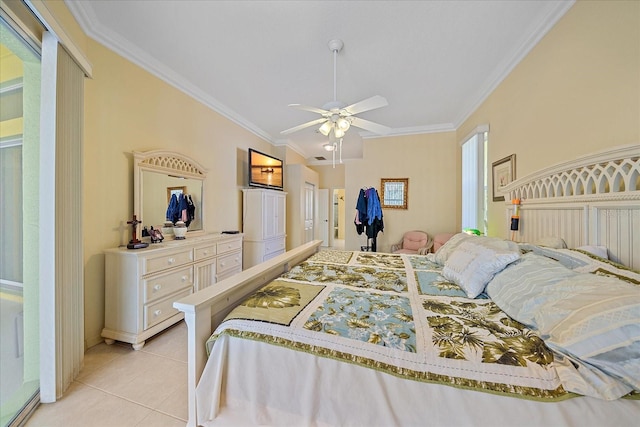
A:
[(309, 190), (323, 215)]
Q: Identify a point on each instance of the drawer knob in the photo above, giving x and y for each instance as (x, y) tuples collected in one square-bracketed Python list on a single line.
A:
[(205, 252), (157, 287), (184, 278), (157, 313), (171, 260), (222, 264)]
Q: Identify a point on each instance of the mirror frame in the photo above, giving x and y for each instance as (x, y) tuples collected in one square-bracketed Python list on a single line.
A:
[(170, 163)]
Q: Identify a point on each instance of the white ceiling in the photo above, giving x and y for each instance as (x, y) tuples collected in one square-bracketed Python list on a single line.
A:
[(434, 61)]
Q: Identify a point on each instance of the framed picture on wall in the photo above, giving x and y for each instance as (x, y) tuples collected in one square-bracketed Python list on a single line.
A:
[(394, 193), (504, 171)]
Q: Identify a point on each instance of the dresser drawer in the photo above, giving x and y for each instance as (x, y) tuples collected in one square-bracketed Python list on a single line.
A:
[(205, 252), (161, 286), (162, 262), (229, 262), (162, 310), (229, 246), (272, 246)]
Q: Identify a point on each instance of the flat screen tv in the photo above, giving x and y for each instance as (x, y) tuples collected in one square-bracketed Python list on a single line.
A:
[(265, 171)]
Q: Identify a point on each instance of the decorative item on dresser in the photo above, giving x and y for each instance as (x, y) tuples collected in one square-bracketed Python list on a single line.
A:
[(141, 286), (263, 224)]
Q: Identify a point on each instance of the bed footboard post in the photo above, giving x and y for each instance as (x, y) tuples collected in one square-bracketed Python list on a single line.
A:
[(198, 331)]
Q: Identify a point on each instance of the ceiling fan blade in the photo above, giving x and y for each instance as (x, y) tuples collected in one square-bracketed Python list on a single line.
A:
[(312, 109), (304, 125), (370, 126), (366, 105)]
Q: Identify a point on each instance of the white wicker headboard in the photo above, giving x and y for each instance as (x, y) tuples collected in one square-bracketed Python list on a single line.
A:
[(592, 200)]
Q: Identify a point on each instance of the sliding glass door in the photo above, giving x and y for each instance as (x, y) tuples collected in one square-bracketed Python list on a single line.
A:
[(19, 178)]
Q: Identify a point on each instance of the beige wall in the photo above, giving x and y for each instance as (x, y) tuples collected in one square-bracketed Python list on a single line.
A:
[(429, 161), (128, 109), (577, 92)]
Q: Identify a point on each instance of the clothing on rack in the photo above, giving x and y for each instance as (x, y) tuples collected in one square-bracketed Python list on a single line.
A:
[(181, 208), (191, 210), (172, 209), (368, 218)]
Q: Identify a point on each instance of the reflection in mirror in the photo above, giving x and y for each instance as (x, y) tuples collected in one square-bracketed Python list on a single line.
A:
[(160, 174), (155, 201)]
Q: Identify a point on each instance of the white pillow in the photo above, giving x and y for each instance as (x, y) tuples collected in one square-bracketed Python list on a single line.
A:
[(551, 242), (445, 251), (600, 251), (471, 266)]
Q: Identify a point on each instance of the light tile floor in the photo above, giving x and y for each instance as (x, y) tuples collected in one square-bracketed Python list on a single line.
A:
[(121, 387)]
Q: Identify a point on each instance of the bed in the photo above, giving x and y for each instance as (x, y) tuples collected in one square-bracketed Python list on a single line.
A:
[(341, 337)]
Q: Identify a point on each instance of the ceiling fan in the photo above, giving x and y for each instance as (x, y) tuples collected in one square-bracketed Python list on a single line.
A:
[(338, 117)]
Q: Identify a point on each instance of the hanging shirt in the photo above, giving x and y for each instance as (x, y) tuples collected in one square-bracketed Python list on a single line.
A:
[(374, 210), (172, 209)]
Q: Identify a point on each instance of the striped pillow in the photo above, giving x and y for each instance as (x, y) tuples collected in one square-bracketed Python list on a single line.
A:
[(594, 320)]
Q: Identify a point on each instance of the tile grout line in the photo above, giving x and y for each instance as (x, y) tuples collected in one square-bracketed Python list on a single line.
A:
[(130, 401)]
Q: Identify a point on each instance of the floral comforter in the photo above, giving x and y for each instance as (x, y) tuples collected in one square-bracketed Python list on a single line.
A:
[(397, 314)]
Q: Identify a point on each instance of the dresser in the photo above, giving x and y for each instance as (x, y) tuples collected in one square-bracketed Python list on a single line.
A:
[(263, 224), (142, 284)]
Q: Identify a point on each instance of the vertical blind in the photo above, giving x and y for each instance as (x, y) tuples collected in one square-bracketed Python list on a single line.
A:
[(69, 257)]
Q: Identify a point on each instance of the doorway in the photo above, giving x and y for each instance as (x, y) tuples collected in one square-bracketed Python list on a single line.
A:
[(309, 211), (339, 218)]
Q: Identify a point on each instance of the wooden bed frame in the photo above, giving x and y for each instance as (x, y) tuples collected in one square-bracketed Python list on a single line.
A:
[(593, 200)]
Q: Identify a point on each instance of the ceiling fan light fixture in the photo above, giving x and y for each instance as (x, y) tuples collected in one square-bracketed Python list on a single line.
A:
[(329, 147), (343, 124), (339, 133), (325, 128)]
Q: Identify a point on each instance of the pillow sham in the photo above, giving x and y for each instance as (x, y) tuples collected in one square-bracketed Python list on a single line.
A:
[(593, 320), (599, 251), (471, 266), (551, 242), (445, 251)]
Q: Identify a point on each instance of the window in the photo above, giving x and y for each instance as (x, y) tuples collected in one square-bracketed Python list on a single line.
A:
[(474, 180)]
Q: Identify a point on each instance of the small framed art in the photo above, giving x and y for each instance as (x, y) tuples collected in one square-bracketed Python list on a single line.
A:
[(503, 172), (394, 193)]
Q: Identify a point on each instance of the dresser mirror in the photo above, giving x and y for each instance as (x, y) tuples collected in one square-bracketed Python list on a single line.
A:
[(158, 175)]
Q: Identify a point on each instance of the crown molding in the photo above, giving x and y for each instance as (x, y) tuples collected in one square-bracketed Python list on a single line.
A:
[(94, 29), (415, 130), (507, 66)]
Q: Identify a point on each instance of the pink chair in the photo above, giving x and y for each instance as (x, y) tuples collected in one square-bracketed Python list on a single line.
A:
[(440, 239), (413, 242)]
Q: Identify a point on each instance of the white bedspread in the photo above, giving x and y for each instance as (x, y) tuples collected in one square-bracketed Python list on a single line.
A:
[(233, 392)]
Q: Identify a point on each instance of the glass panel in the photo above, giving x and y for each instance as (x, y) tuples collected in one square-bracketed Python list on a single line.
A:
[(394, 193), (19, 171)]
